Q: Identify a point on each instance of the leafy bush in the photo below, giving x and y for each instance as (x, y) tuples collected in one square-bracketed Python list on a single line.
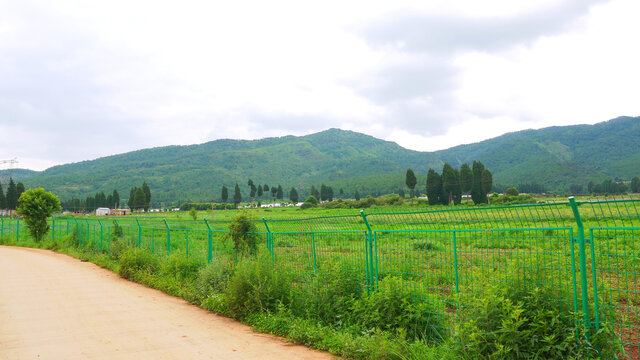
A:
[(134, 261), (257, 287), (331, 294), (509, 322), (215, 276), (243, 233), (180, 267), (72, 240), (394, 306)]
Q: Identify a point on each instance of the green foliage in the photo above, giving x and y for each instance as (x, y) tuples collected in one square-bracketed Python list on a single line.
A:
[(237, 195), (193, 213), (243, 233), (635, 185), (180, 267), (330, 295), (255, 287), (394, 306), (135, 261), (512, 200), (410, 180), (224, 196), (3, 199), (434, 188), (478, 194), (215, 276), (35, 206), (139, 199), (509, 322), (12, 195), (310, 202), (293, 195), (512, 192)]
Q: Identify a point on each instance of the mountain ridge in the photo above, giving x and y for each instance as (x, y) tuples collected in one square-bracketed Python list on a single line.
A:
[(556, 157)]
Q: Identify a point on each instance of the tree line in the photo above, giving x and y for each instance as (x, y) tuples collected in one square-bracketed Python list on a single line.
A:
[(91, 203), (10, 200), (256, 193), (447, 187)]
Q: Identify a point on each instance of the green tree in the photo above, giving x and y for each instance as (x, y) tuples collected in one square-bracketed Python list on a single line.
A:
[(356, 195), (635, 184), (280, 192), (147, 195), (19, 191), (193, 213), (434, 187), (237, 195), (341, 193), (243, 233), (329, 193), (36, 205), (487, 181), (477, 192), (452, 191), (466, 179), (260, 192), (3, 199), (115, 199), (12, 195), (274, 192), (101, 199), (411, 181), (293, 195), (314, 192), (139, 199), (225, 194), (132, 195), (512, 191), (324, 193), (110, 201), (265, 189)]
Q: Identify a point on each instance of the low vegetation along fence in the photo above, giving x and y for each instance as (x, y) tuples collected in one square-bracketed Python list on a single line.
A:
[(588, 253)]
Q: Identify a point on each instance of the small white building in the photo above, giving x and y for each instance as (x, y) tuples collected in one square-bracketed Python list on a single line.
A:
[(102, 211)]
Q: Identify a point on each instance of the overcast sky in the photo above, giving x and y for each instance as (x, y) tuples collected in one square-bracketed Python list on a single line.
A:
[(86, 79)]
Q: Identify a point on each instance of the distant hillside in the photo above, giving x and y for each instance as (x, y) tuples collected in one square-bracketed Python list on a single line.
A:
[(16, 174), (556, 157)]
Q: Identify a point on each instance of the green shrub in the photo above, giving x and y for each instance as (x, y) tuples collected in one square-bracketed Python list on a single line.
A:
[(215, 276), (394, 306), (509, 322), (243, 233), (134, 261), (257, 287), (181, 268), (72, 240), (330, 295)]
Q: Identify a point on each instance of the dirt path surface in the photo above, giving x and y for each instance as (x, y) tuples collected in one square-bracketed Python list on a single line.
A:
[(53, 306)]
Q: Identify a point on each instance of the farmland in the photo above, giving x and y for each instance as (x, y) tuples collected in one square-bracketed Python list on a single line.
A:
[(583, 253)]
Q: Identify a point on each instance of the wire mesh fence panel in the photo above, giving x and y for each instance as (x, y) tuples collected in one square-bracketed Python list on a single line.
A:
[(437, 264), (308, 252), (614, 260)]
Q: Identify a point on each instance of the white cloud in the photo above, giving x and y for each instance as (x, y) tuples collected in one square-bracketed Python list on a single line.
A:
[(84, 79)]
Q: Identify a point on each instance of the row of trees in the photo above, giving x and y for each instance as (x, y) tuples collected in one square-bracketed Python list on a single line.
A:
[(10, 200), (139, 197), (91, 203), (256, 192), (448, 187)]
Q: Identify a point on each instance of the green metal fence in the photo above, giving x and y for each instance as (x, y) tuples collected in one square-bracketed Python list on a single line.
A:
[(587, 253)]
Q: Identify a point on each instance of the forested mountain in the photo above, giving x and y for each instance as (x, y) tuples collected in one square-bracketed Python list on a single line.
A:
[(556, 157)]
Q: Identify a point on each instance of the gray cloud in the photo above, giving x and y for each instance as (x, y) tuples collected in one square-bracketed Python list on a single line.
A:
[(419, 92), (437, 34)]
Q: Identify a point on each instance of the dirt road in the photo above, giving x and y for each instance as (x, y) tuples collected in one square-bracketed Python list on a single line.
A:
[(53, 306)]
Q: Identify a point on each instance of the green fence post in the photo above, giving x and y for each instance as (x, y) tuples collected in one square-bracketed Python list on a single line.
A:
[(100, 222), (67, 226), (455, 263), (77, 231), (371, 279), (313, 244), (53, 229), (209, 243), (168, 237), (269, 239), (139, 233), (87, 221), (1, 227), (18, 231), (186, 232), (583, 263)]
